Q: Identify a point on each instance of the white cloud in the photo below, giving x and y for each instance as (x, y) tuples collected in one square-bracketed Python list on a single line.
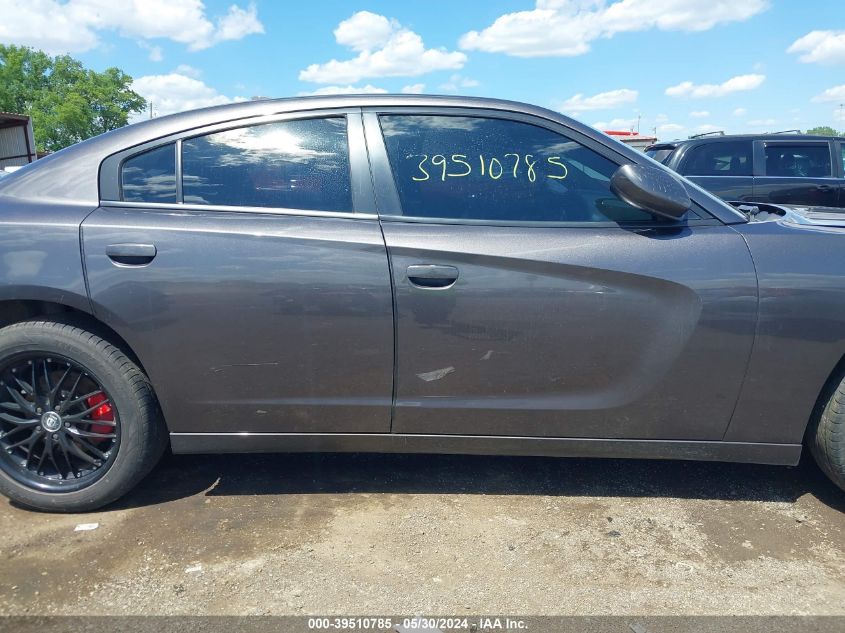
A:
[(704, 128), (413, 89), (567, 27), (600, 101), (700, 91), (456, 82), (823, 47), (616, 124), (74, 26), (176, 92), (190, 71), (154, 53), (837, 93), (344, 90), (699, 114), (740, 112), (669, 128), (385, 49)]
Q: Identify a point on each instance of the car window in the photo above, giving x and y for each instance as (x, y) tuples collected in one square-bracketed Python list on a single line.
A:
[(728, 158), (842, 148), (798, 160), (301, 164), (474, 168), (150, 177), (660, 155)]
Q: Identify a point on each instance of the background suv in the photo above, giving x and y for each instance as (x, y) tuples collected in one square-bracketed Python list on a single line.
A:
[(777, 168)]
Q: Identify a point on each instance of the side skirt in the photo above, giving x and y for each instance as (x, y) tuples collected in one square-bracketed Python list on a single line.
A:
[(778, 454)]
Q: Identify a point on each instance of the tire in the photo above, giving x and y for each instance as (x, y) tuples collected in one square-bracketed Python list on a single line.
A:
[(826, 434), (139, 433)]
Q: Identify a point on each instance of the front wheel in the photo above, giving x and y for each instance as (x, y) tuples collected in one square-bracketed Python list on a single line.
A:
[(79, 423), (826, 435)]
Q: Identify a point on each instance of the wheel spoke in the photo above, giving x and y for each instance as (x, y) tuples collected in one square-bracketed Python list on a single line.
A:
[(70, 446), (48, 432), (77, 416), (25, 404), (85, 445), (35, 433), (25, 386), (46, 372), (54, 392), (93, 434), (90, 421), (15, 420)]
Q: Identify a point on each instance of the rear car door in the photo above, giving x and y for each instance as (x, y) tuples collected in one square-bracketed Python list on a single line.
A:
[(725, 168), (245, 266), (531, 301), (797, 172)]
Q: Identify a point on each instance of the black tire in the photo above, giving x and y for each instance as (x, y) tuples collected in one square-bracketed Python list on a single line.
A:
[(826, 434), (142, 433)]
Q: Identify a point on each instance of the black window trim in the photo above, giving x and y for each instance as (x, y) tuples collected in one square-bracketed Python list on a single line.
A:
[(387, 195), (363, 201)]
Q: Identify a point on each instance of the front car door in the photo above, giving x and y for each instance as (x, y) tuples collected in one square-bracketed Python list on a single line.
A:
[(244, 265), (797, 172), (530, 301)]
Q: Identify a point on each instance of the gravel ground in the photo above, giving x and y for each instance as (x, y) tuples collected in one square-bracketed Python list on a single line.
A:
[(452, 535)]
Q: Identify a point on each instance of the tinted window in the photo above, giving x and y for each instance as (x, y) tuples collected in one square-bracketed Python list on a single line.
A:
[(150, 177), (660, 155), (730, 158), (491, 169), (798, 160), (290, 164)]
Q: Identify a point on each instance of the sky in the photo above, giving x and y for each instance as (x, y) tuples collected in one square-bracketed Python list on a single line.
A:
[(677, 67)]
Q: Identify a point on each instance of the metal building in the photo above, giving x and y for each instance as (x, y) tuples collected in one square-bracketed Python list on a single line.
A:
[(17, 143)]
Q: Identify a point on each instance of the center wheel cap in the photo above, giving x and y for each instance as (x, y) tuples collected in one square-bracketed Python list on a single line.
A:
[(51, 421)]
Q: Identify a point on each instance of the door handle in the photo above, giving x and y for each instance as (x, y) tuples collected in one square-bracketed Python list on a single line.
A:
[(432, 276), (824, 188), (131, 254)]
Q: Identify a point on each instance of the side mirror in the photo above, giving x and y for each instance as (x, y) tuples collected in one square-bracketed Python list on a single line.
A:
[(651, 189)]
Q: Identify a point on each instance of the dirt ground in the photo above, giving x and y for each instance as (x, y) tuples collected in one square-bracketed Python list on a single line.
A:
[(449, 535)]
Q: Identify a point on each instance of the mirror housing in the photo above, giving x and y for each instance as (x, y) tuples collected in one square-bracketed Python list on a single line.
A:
[(651, 189)]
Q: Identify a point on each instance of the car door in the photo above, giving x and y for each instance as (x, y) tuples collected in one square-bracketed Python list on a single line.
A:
[(796, 172), (725, 168), (531, 301), (245, 267), (839, 154)]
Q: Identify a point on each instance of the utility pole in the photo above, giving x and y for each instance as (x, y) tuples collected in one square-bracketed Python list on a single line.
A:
[(639, 116)]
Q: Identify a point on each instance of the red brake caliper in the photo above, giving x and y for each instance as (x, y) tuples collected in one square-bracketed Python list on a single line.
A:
[(103, 412)]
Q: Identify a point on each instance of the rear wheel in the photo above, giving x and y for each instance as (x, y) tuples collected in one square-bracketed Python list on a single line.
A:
[(79, 423), (826, 435)]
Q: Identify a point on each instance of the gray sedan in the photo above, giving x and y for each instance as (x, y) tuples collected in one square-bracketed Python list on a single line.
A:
[(400, 273)]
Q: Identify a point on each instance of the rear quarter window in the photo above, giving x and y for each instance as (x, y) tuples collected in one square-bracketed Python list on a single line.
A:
[(150, 176)]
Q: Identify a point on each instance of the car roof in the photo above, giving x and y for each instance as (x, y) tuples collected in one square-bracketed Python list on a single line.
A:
[(70, 173), (744, 137)]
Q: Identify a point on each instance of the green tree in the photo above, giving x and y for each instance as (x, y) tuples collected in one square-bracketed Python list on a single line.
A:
[(823, 130), (67, 102)]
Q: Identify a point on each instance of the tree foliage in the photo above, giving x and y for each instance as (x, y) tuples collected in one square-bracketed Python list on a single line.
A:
[(67, 102), (823, 130)]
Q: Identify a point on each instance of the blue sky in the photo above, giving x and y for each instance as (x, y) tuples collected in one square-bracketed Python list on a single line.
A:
[(682, 66)]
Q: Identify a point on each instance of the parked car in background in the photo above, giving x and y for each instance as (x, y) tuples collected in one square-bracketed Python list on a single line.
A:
[(776, 168), (400, 274)]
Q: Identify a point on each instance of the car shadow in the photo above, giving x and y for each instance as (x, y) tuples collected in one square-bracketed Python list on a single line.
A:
[(180, 476)]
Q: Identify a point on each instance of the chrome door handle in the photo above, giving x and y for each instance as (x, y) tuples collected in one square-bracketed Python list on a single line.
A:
[(432, 275), (131, 254)]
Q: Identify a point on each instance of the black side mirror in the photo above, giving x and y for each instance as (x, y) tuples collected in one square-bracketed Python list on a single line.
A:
[(651, 189)]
